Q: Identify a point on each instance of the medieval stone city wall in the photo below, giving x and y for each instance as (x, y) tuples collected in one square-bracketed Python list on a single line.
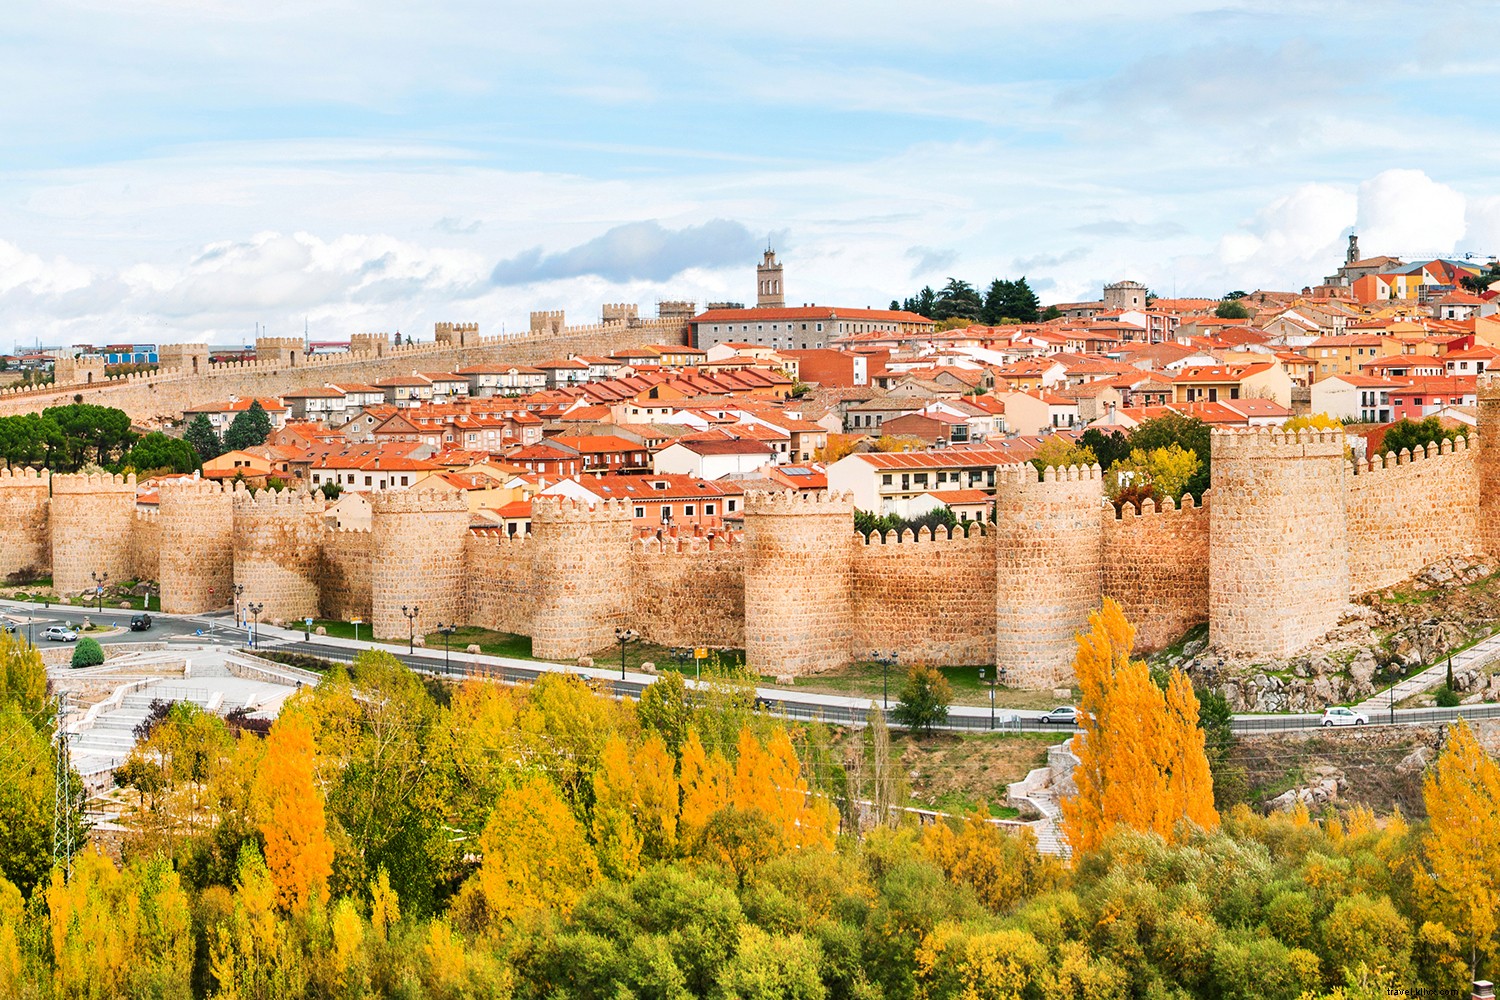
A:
[(581, 567), (1049, 551), (278, 538), (417, 559), (689, 591), (799, 558), (344, 583), (92, 517), (27, 548), (929, 598), (500, 581), (145, 546), (1156, 567), (1408, 511), (168, 391), (196, 564), (1278, 540)]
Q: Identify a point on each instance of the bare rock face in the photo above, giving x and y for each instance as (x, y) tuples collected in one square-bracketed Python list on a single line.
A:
[(1323, 789), (1362, 673), (1416, 761)]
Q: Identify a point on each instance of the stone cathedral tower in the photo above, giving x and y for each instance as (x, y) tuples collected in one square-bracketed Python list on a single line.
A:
[(768, 288)]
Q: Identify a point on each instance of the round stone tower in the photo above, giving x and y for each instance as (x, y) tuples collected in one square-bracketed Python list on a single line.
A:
[(23, 512), (416, 558), (91, 519), (581, 571), (1278, 540), (1049, 569), (277, 543), (799, 563), (197, 546), (1487, 463)]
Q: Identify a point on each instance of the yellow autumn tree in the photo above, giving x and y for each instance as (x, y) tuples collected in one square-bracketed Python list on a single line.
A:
[(298, 852), (1141, 759), (1462, 880), (705, 787), (536, 856), (616, 836)]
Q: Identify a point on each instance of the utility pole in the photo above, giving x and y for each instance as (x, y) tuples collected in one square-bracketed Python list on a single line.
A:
[(62, 796)]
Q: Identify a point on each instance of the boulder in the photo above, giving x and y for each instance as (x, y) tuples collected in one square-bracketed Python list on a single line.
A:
[(320, 630), (648, 667), (126, 606), (585, 661), (473, 648), (1416, 761), (1362, 672)]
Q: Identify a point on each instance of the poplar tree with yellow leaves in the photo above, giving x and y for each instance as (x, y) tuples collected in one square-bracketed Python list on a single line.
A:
[(298, 852), (1462, 877), (1141, 759)]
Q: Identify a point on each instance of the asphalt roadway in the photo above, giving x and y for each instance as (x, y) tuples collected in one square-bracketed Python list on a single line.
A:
[(798, 705)]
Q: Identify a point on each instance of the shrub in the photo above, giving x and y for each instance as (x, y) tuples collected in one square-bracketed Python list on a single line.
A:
[(1447, 697), (87, 653), (924, 700)]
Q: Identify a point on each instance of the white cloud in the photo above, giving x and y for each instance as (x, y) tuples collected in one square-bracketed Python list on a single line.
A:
[(1405, 213)]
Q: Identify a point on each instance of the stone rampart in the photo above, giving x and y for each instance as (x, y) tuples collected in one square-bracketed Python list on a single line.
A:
[(928, 597), (26, 550), (344, 578), (501, 583), (799, 558), (91, 519), (168, 391), (145, 546), (1487, 464), (1049, 552), (581, 567), (277, 535), (196, 565), (416, 559), (1156, 567), (689, 591), (1278, 539), (1408, 511)]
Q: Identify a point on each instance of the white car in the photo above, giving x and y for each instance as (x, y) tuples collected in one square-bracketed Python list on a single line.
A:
[(1338, 715), (60, 633), (1065, 715)]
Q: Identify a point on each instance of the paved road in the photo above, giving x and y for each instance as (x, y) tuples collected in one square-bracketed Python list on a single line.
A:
[(800, 705)]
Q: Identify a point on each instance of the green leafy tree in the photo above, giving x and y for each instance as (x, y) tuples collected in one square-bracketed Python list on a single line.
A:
[(1108, 447), (30, 439), (925, 698), (156, 452), (1413, 434), (664, 710), (202, 437), (1010, 300), (249, 428), (91, 433), (1060, 453), (1232, 309), (1188, 433), (939, 517), (957, 300), (331, 491), (1051, 313), (924, 303), (86, 653)]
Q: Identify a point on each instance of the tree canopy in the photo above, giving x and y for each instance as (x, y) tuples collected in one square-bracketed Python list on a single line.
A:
[(249, 428), (1408, 434), (1002, 301)]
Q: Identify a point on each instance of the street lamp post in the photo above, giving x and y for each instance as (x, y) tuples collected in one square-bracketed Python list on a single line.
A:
[(100, 579), (447, 630), (411, 627), (886, 660), (255, 609), (624, 635), (239, 591)]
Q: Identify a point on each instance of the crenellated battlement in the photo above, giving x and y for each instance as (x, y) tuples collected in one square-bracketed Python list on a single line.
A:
[(1165, 508), (1273, 443), (793, 502), (24, 477), (417, 502), (184, 488), (978, 531), (248, 501), (1392, 460), (567, 510), (92, 482), (499, 537), (687, 545)]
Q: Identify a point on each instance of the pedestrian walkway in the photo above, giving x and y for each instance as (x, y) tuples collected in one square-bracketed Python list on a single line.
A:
[(1480, 653)]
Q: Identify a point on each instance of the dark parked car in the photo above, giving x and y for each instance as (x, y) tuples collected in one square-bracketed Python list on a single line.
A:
[(8, 627), (140, 623)]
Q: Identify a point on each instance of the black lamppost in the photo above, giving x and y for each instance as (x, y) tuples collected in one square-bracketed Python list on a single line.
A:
[(255, 609), (886, 660), (447, 630), (682, 656), (411, 627), (99, 580), (622, 636), (992, 683), (239, 591)]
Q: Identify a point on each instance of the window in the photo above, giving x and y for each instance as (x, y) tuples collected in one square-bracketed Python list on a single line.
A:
[(885, 480), (688, 510), (733, 504), (404, 481), (640, 512), (367, 480), (708, 509), (666, 512)]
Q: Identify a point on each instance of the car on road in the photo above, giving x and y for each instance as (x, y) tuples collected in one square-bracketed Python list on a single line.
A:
[(8, 627), (140, 623), (59, 633), (1063, 715), (1338, 715)]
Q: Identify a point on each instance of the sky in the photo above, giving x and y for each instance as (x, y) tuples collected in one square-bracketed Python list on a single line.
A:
[(191, 170)]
